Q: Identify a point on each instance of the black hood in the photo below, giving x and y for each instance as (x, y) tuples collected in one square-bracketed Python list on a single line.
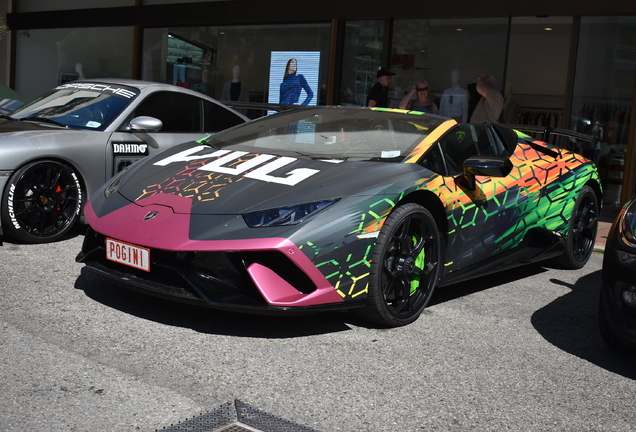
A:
[(215, 192)]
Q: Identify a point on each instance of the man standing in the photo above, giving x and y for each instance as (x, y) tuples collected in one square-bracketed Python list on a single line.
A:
[(490, 105), (378, 95)]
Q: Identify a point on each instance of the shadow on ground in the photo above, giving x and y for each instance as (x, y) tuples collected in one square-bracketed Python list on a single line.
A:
[(207, 320), (571, 323), (462, 289)]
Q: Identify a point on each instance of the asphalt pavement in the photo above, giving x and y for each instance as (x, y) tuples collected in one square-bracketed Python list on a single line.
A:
[(517, 351)]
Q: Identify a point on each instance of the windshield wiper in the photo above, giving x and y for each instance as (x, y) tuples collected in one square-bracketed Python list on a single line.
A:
[(43, 120), (4, 116)]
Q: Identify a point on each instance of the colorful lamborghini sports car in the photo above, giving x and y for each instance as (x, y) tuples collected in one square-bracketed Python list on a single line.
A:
[(326, 208), (58, 149)]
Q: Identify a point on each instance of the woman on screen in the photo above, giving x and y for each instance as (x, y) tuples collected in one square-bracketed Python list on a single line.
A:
[(291, 85)]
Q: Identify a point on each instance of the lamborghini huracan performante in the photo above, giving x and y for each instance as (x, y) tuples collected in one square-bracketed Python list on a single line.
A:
[(351, 208), (58, 149)]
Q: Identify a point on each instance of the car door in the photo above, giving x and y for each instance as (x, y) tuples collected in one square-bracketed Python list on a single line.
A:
[(185, 117), (481, 221)]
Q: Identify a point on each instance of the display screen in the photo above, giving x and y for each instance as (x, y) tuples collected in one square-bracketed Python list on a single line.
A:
[(293, 77)]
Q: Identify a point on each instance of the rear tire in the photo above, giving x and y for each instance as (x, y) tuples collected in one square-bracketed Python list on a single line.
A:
[(405, 267), (41, 202), (581, 232)]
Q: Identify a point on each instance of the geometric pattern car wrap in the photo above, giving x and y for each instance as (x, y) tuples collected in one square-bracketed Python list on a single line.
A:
[(530, 191), (205, 193), (483, 222)]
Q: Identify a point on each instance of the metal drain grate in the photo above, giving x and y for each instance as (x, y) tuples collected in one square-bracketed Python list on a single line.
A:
[(236, 417), (237, 428), (211, 421)]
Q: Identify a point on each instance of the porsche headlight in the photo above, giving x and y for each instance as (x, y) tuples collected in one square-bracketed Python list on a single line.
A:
[(627, 225), (285, 215), (113, 184)]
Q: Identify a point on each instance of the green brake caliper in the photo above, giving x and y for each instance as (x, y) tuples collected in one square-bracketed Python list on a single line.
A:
[(419, 263)]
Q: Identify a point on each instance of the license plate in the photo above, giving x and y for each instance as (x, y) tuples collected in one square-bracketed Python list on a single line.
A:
[(130, 255)]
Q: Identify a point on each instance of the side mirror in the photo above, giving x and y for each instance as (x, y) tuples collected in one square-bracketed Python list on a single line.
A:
[(145, 124), (489, 166)]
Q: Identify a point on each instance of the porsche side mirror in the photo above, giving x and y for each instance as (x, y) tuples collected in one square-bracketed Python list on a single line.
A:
[(489, 166), (145, 124)]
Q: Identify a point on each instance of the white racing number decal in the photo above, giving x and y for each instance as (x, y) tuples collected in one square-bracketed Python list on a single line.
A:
[(10, 207), (104, 88), (262, 173)]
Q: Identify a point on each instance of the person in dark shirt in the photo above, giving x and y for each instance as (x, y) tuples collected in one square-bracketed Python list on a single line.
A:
[(378, 95)]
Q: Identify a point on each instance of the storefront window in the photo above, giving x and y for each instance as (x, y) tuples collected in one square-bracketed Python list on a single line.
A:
[(450, 54), (603, 92), (536, 76), (47, 58), (362, 58), (241, 63)]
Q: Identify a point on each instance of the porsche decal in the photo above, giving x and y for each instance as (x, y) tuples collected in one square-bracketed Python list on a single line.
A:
[(104, 88)]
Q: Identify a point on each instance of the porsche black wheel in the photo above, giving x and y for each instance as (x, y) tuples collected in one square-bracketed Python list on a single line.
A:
[(41, 202), (405, 267), (582, 231)]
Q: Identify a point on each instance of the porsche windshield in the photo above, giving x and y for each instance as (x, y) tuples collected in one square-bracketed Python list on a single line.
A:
[(89, 106), (333, 133)]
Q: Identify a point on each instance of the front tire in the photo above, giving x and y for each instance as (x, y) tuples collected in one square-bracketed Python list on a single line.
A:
[(41, 202), (582, 231), (405, 267)]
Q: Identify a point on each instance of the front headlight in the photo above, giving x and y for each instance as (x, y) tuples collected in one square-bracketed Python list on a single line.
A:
[(627, 225), (285, 215), (113, 184)]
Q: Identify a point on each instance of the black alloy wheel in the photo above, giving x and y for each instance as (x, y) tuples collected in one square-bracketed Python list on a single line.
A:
[(582, 230), (41, 202), (405, 268)]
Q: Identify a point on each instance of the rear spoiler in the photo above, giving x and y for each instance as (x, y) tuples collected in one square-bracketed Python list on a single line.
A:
[(262, 106), (259, 105), (546, 131)]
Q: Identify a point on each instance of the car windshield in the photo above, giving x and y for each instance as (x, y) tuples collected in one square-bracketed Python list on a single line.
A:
[(333, 133), (89, 106)]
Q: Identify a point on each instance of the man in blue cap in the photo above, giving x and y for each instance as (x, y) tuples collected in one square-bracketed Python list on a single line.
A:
[(378, 95)]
